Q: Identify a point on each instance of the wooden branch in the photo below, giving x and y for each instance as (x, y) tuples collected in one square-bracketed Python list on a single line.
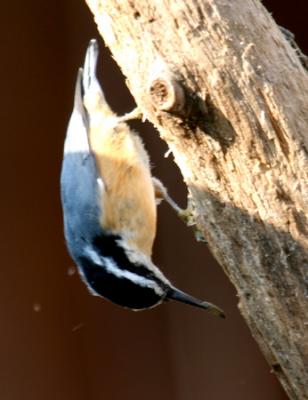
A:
[(229, 95)]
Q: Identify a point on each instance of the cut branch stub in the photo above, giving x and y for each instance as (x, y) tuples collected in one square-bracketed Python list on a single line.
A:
[(166, 94)]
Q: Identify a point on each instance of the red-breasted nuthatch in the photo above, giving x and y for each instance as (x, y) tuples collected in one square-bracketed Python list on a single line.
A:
[(109, 202)]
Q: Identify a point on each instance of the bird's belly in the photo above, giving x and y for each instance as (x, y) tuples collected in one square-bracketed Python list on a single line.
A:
[(130, 208), (128, 199)]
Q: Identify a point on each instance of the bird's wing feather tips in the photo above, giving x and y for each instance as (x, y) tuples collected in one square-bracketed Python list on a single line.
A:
[(178, 295), (78, 98), (77, 132)]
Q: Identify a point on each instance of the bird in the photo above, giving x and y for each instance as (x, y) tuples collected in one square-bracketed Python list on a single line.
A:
[(109, 201)]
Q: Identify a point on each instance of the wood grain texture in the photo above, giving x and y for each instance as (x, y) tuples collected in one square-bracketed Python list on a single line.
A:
[(237, 126)]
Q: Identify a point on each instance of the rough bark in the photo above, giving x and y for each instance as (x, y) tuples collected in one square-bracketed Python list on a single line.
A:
[(229, 95)]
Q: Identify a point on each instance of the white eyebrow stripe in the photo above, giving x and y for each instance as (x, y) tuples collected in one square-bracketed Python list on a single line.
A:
[(138, 258), (112, 267)]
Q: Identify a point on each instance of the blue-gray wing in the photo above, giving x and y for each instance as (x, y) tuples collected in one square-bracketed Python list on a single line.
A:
[(81, 186)]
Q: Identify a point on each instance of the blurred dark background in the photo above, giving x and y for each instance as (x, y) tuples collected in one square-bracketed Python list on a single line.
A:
[(56, 340)]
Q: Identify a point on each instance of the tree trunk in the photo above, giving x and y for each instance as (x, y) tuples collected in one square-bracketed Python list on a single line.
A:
[(228, 94)]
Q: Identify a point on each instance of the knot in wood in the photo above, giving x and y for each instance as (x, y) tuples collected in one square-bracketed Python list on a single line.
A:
[(166, 94)]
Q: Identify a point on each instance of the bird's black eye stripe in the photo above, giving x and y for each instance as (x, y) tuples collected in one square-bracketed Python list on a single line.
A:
[(107, 246), (123, 291)]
